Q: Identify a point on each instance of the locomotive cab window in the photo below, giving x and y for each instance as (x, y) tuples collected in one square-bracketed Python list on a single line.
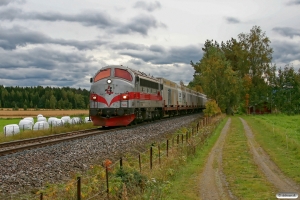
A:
[(124, 74), (102, 74)]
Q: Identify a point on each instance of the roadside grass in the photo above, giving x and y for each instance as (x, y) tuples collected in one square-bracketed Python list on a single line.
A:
[(167, 180), (185, 183), (245, 180), (279, 135)]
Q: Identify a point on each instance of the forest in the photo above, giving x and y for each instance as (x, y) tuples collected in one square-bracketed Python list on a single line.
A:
[(239, 74), (43, 98)]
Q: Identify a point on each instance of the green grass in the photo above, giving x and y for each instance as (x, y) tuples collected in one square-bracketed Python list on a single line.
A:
[(185, 184), (245, 180), (280, 137)]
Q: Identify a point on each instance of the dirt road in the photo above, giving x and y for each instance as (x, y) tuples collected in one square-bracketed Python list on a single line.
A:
[(213, 183)]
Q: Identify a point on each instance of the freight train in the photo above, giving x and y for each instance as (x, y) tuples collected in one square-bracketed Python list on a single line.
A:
[(120, 96)]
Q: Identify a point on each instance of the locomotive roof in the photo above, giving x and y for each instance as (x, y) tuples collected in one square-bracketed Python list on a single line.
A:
[(136, 72)]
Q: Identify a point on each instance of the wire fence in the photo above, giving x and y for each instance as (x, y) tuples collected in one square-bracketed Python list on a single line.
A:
[(103, 181)]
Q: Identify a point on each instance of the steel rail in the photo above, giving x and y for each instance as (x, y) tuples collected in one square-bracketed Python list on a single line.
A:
[(20, 145)]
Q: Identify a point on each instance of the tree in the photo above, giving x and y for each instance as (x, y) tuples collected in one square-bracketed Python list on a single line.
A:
[(257, 57), (52, 102), (218, 79)]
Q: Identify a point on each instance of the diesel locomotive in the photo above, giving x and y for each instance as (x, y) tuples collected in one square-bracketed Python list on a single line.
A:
[(120, 96)]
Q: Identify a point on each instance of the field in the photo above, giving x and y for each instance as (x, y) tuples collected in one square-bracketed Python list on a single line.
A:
[(9, 116), (9, 113)]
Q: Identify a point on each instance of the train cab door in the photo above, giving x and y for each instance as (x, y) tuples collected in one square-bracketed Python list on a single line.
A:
[(169, 97)]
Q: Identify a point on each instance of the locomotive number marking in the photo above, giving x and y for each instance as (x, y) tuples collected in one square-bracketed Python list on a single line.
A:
[(123, 104)]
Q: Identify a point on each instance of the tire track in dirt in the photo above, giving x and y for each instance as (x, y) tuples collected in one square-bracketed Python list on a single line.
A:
[(273, 174), (212, 182)]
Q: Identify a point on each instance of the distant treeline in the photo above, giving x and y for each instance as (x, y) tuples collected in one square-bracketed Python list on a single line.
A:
[(43, 97)]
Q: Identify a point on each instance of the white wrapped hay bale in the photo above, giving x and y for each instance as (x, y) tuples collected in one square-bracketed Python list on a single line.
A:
[(66, 119), (57, 122), (29, 118), (42, 119), (87, 120), (39, 115), (76, 120), (41, 125), (51, 120), (11, 129), (25, 124)]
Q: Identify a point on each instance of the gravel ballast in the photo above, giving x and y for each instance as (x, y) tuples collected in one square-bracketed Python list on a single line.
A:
[(33, 168)]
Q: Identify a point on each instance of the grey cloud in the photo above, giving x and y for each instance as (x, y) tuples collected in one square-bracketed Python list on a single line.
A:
[(287, 31), (27, 73), (140, 24), (20, 36), (147, 6), (6, 2), (41, 66), (87, 18), (127, 45), (157, 48), (285, 52), (169, 56), (293, 2), (42, 58), (232, 20)]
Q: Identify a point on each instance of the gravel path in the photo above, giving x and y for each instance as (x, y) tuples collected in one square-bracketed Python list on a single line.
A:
[(212, 183), (267, 166), (32, 168)]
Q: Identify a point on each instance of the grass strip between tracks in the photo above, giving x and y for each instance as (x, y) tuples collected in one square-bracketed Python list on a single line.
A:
[(245, 180), (279, 137), (185, 184)]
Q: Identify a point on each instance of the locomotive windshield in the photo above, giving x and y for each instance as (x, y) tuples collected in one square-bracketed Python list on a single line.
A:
[(102, 74), (121, 73)]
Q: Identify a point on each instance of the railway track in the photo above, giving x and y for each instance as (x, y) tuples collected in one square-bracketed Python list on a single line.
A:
[(20, 145), (31, 143)]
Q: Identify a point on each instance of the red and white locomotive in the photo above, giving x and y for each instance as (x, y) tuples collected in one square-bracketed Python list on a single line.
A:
[(120, 96)]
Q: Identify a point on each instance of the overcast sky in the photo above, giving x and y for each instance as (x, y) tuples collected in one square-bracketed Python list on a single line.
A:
[(63, 43)]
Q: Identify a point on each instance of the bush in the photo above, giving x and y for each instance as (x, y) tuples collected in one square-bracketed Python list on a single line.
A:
[(134, 181)]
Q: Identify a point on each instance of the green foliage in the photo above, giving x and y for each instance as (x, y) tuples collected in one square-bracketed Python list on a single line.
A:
[(217, 78), (211, 108), (134, 181), (236, 68), (43, 97)]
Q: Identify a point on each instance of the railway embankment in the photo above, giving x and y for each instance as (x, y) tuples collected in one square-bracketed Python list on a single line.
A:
[(30, 170)]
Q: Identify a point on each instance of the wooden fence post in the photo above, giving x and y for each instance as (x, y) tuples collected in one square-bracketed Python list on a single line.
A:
[(107, 185), (159, 154), (78, 188), (151, 157), (167, 148), (121, 163), (140, 164)]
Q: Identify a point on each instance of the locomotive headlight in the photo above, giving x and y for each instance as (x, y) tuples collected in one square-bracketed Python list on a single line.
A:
[(125, 96), (108, 81), (94, 97)]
